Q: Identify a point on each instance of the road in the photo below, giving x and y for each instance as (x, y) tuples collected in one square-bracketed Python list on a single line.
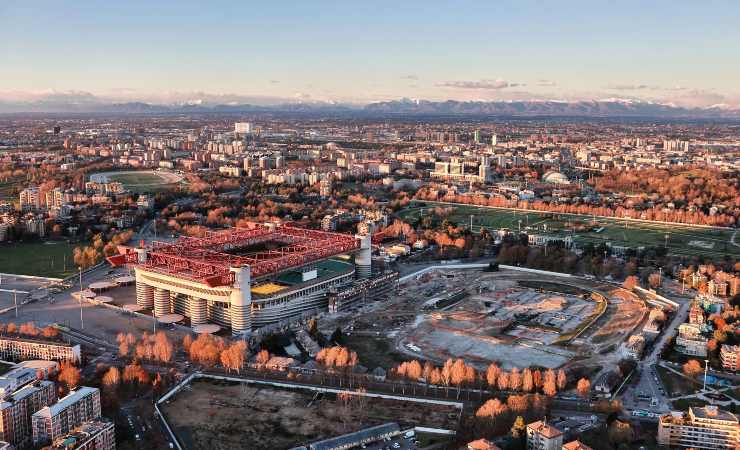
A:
[(649, 384)]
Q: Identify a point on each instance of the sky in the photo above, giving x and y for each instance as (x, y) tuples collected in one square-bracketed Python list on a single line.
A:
[(681, 52)]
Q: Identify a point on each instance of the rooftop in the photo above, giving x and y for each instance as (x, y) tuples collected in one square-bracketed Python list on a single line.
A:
[(65, 402), (544, 429)]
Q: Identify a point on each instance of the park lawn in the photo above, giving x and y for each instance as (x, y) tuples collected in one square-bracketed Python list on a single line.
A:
[(45, 259), (675, 384)]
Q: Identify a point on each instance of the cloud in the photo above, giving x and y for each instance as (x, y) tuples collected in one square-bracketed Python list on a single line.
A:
[(631, 87), (274, 81), (546, 83), (410, 77), (481, 84)]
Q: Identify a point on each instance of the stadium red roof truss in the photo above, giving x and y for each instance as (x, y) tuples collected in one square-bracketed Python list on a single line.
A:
[(208, 259)]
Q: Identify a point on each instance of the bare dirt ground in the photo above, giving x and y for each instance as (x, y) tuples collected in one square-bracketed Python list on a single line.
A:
[(225, 416), (496, 320)]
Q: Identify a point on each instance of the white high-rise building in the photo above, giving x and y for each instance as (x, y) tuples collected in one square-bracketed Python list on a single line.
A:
[(243, 128), (30, 199)]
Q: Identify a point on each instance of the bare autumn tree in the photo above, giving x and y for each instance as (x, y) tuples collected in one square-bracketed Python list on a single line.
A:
[(492, 373), (527, 381), (206, 350), (549, 388), (692, 368), (134, 373), (583, 388), (162, 348), (537, 378), (262, 357), (503, 380), (492, 409), (515, 379), (562, 380), (232, 357), (112, 378), (69, 375), (187, 341)]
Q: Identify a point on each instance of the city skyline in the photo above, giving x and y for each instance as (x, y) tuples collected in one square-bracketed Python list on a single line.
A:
[(351, 53)]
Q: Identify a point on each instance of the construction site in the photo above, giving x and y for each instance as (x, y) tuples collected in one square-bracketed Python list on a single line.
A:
[(515, 318), (244, 279), (210, 414)]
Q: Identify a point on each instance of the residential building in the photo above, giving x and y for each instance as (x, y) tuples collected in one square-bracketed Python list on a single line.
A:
[(16, 411), (730, 357), (30, 199), (690, 340), (16, 349), (576, 445), (541, 436), (705, 427), (92, 435), (52, 422)]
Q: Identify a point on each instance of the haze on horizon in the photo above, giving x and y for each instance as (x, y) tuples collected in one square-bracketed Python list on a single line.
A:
[(167, 51)]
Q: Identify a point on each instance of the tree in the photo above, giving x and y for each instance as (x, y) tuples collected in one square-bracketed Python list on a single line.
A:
[(518, 429), (562, 379), (549, 388), (112, 378), (69, 375), (583, 388), (162, 348), (515, 379), (620, 432), (187, 341), (527, 380), (503, 381), (492, 374), (492, 408), (262, 357), (692, 368)]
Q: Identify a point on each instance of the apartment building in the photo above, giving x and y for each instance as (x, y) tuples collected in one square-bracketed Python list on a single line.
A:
[(541, 436), (730, 357), (52, 422), (705, 427), (30, 199), (92, 435), (17, 349), (16, 411)]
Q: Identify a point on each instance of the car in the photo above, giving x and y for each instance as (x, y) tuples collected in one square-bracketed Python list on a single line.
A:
[(396, 445)]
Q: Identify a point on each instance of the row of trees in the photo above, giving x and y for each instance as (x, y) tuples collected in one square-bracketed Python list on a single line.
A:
[(337, 357), (457, 373), (149, 347), (29, 329)]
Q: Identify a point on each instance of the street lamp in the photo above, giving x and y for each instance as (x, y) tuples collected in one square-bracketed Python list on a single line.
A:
[(82, 322), (706, 368)]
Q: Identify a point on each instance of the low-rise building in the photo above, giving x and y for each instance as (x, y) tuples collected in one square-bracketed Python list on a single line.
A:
[(541, 436), (17, 349), (705, 427), (730, 357), (690, 340), (576, 445), (482, 444)]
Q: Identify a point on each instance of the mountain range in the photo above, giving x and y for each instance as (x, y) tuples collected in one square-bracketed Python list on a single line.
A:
[(408, 107)]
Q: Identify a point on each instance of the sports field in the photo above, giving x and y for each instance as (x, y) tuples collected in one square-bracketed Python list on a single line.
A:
[(44, 259), (139, 180), (680, 239)]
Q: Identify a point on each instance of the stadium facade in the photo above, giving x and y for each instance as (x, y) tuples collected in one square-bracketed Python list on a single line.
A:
[(246, 278)]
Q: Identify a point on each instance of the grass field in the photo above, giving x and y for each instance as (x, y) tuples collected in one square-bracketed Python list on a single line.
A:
[(46, 259), (682, 239), (139, 178)]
